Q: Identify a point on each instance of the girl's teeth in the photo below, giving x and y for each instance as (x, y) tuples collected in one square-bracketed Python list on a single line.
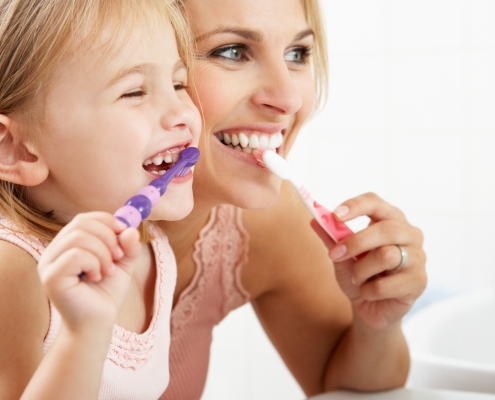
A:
[(254, 143), (168, 158), (162, 172), (247, 150), (147, 162), (157, 160), (264, 141), (235, 139), (238, 148), (175, 157), (226, 138), (220, 136), (243, 139)]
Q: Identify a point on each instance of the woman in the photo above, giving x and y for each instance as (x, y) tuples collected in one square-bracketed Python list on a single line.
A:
[(335, 324)]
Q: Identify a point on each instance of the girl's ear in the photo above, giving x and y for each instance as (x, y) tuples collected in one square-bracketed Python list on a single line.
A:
[(19, 162)]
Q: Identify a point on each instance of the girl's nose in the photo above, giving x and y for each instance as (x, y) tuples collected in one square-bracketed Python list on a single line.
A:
[(277, 92), (178, 114)]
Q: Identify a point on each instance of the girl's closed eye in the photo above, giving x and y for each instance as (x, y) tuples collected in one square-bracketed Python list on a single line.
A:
[(135, 93), (180, 86)]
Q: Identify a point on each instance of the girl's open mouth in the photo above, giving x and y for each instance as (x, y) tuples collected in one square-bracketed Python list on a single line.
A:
[(163, 161)]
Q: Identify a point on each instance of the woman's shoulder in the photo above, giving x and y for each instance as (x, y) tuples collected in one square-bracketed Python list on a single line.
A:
[(281, 240)]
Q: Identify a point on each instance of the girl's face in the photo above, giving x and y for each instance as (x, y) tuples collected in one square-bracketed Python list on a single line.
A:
[(255, 86), (111, 115)]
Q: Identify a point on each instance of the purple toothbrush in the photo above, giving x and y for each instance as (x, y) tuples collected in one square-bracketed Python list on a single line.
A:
[(138, 207)]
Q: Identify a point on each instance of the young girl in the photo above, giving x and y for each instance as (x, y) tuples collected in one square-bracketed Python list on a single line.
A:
[(92, 108)]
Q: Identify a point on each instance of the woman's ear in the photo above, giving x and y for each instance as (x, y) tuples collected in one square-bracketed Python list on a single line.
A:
[(19, 162)]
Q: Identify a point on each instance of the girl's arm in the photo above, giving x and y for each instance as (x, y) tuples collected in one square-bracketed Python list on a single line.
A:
[(329, 338), (72, 368)]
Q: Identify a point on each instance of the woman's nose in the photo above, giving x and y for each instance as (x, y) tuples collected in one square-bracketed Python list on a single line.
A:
[(178, 114), (277, 91)]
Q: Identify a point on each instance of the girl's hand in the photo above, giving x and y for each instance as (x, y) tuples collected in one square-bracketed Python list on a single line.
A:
[(380, 293), (87, 269)]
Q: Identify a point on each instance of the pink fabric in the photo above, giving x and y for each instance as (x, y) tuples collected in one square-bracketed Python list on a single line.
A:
[(215, 290), (137, 364)]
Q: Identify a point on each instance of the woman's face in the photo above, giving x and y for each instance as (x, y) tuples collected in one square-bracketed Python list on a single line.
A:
[(255, 87)]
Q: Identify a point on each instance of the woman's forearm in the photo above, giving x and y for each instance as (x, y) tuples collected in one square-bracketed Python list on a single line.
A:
[(370, 360), (71, 369)]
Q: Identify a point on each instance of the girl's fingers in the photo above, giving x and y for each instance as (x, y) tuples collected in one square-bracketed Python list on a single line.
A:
[(82, 240), (405, 285), (370, 205), (102, 225), (130, 243), (383, 233), (70, 265)]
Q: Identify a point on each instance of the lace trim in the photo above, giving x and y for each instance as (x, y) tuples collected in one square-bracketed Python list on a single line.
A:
[(221, 244), (133, 350)]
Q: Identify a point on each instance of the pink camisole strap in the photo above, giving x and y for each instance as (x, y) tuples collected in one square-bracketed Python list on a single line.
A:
[(219, 254)]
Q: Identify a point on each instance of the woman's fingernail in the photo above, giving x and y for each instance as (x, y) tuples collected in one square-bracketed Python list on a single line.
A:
[(338, 252), (341, 211)]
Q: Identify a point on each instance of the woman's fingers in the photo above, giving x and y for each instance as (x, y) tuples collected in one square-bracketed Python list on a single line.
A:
[(371, 205), (379, 234), (406, 285)]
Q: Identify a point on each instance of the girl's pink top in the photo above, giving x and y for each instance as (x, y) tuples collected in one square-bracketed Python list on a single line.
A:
[(136, 366), (216, 289)]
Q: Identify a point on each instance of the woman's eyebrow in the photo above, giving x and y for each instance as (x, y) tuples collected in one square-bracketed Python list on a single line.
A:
[(303, 34), (247, 34)]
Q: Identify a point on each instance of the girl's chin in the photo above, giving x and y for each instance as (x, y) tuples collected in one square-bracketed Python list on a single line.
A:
[(172, 210)]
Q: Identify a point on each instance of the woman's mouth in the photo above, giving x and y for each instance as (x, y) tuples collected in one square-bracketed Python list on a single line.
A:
[(247, 141), (163, 161)]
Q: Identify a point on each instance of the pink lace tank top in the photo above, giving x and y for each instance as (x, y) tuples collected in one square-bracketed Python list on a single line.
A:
[(136, 366), (215, 290)]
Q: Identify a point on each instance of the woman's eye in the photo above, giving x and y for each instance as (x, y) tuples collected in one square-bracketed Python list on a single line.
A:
[(233, 53), (135, 93), (297, 55)]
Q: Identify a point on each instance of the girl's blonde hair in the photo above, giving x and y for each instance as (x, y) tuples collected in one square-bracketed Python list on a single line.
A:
[(34, 36)]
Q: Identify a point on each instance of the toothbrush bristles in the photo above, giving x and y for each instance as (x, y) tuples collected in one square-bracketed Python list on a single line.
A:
[(258, 154)]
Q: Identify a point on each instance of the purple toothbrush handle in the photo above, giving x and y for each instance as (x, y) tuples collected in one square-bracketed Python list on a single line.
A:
[(138, 207)]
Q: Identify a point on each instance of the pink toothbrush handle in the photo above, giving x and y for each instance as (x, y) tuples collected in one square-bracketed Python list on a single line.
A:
[(338, 229)]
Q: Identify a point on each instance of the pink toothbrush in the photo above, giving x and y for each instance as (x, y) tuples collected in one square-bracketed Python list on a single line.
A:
[(271, 161)]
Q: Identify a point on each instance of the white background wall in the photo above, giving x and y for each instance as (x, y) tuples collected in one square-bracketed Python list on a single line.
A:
[(411, 116)]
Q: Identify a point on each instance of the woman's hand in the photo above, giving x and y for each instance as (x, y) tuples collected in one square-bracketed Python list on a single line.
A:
[(87, 269), (380, 293)]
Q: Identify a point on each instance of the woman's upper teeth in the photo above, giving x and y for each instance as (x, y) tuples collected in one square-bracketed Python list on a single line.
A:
[(248, 141)]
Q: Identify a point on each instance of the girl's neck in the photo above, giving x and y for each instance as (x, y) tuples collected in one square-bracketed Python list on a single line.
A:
[(183, 234)]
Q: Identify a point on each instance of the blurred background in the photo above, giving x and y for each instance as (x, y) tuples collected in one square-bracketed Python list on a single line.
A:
[(411, 117)]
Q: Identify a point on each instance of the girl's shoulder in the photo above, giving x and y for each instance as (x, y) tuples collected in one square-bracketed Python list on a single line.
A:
[(24, 316)]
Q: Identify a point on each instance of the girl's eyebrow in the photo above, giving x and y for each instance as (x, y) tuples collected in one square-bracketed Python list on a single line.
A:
[(135, 69), (248, 34)]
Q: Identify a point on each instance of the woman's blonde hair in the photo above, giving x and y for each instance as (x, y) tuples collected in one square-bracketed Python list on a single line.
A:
[(314, 17), (34, 36)]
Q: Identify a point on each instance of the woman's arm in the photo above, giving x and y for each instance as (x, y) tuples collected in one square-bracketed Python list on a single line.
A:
[(306, 311)]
